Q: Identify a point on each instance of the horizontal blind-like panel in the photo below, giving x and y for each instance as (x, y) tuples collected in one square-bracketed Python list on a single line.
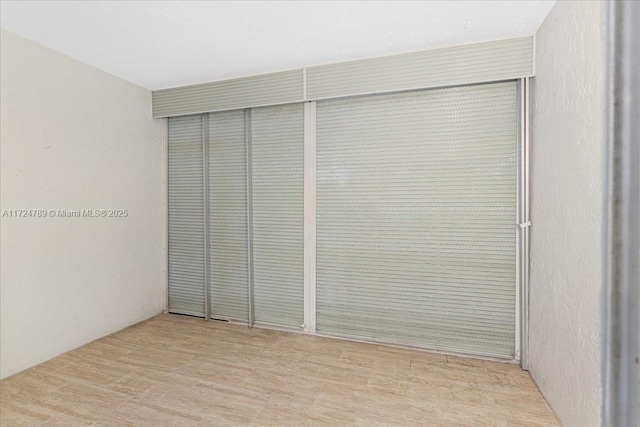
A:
[(228, 267), (416, 212), (277, 151), (474, 63), (267, 89), (186, 216)]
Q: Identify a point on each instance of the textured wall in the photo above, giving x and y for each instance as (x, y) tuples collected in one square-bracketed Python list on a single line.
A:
[(74, 137), (566, 211)]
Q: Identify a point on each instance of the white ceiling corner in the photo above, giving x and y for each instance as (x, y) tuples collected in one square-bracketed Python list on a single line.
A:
[(160, 44)]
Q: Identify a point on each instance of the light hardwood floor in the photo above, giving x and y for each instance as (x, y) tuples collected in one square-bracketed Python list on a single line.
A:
[(181, 371)]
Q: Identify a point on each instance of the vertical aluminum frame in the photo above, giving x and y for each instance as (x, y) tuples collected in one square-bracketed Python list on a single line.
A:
[(620, 354), (247, 124), (165, 309), (523, 226), (205, 181)]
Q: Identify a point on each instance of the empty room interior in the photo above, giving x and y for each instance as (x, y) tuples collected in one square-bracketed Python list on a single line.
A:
[(311, 213)]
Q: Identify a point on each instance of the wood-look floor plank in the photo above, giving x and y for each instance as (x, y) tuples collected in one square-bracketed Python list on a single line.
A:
[(182, 371)]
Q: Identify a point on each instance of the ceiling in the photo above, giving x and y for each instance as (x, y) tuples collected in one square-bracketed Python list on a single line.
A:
[(160, 44)]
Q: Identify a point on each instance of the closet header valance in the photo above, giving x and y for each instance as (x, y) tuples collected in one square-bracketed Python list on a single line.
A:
[(451, 66)]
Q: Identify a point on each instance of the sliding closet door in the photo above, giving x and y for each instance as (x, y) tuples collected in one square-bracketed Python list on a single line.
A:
[(416, 214), (228, 257), (186, 216), (277, 152)]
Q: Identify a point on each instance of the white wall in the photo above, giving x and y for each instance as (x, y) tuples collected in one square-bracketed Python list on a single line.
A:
[(566, 207), (75, 137)]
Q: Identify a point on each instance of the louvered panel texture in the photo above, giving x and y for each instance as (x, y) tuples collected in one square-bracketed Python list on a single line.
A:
[(265, 89), (186, 216), (228, 266), (416, 213), (458, 65), (474, 63), (277, 143)]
